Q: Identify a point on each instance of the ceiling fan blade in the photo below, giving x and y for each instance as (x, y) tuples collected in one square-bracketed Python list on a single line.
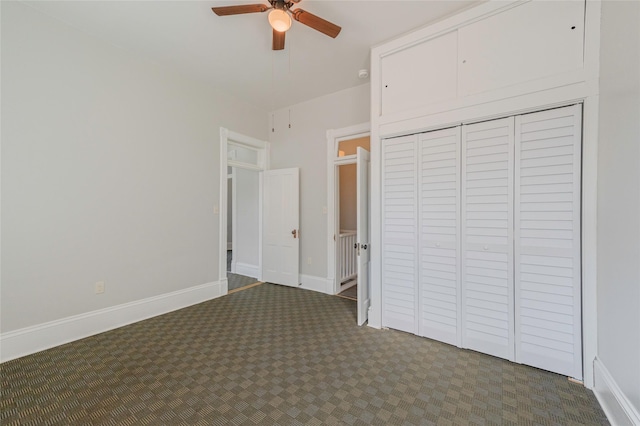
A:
[(237, 10), (278, 40), (316, 22)]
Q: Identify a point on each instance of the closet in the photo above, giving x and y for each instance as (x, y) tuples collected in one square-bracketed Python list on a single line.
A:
[(481, 237)]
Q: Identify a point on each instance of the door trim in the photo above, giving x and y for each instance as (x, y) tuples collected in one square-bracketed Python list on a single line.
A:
[(263, 148), (334, 137)]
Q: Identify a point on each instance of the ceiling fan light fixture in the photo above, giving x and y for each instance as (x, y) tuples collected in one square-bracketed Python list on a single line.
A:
[(279, 20)]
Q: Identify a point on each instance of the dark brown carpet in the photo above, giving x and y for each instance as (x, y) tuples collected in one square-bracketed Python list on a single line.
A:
[(278, 355)]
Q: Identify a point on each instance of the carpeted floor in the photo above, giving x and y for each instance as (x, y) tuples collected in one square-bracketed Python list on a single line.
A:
[(279, 355), (236, 281)]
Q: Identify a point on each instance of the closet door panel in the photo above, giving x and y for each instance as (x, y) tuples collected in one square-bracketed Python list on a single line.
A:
[(547, 240), (439, 235), (487, 237), (399, 233)]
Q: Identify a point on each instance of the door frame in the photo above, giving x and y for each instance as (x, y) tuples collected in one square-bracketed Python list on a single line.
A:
[(232, 176), (334, 137), (228, 137)]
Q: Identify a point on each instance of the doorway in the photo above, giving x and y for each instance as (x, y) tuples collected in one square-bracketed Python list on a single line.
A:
[(242, 159), (348, 214), (346, 237), (243, 217)]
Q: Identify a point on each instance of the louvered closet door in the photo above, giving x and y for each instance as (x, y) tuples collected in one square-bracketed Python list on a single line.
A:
[(547, 240), (487, 237), (439, 198), (399, 234)]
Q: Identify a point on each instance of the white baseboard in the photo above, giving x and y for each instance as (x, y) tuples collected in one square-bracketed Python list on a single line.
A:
[(28, 340), (247, 270), (319, 284), (613, 401)]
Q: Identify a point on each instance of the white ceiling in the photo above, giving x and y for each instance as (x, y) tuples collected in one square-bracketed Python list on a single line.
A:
[(233, 53)]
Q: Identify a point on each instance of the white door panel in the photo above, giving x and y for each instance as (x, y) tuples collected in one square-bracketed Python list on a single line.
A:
[(362, 165), (547, 240), (487, 237), (399, 230), (439, 235), (280, 252)]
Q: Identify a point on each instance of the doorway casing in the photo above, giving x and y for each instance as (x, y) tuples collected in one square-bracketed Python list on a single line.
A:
[(334, 137), (229, 138)]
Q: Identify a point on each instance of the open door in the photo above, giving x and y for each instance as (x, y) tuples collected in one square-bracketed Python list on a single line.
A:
[(280, 227), (362, 163)]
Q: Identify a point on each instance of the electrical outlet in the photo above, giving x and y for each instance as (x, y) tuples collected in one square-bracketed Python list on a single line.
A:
[(216, 210), (308, 261), (324, 210), (100, 287)]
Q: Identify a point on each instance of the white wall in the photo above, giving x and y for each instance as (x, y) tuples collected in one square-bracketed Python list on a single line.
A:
[(304, 145), (348, 194), (109, 172), (619, 198)]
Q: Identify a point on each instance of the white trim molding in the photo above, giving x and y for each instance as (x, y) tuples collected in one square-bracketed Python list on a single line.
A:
[(614, 403), (29, 340), (319, 284)]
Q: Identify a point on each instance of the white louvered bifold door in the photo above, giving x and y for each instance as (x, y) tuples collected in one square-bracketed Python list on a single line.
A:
[(439, 198), (487, 237), (547, 240), (399, 233)]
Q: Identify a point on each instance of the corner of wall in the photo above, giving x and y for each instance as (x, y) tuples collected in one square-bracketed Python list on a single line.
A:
[(613, 401)]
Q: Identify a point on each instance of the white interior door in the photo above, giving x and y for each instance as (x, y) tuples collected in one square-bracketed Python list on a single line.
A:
[(362, 238), (280, 227)]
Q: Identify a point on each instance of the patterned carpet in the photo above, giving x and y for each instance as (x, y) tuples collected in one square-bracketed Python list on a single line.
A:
[(236, 281), (279, 355)]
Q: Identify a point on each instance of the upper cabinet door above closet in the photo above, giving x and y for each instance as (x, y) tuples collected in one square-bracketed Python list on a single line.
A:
[(534, 40), (495, 51), (420, 75)]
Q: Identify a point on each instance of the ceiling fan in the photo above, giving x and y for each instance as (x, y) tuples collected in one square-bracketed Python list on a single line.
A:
[(280, 20)]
